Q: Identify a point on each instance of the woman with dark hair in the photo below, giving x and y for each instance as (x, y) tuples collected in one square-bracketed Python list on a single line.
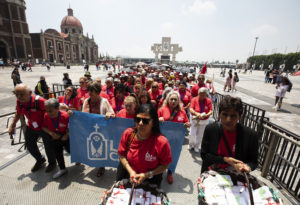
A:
[(280, 92), (97, 105), (69, 101), (144, 97), (144, 152), (228, 82), (228, 143), (66, 80), (117, 102)]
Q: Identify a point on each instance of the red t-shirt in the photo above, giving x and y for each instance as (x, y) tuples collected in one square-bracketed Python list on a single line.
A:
[(222, 150), (205, 106), (154, 96), (82, 95), (34, 116), (104, 95), (161, 86), (145, 155), (55, 125), (124, 114), (185, 97), (117, 105), (109, 91), (195, 88), (166, 112), (71, 103)]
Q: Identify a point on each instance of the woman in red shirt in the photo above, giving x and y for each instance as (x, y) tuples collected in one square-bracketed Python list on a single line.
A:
[(155, 94), (241, 151), (82, 91), (172, 111), (69, 101), (201, 110), (144, 152), (117, 102), (185, 95), (56, 125), (130, 108)]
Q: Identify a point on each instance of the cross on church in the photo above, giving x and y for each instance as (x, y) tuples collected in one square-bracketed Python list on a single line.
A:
[(165, 49)]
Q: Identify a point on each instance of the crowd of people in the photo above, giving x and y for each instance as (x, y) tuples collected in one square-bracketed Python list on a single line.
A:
[(149, 96)]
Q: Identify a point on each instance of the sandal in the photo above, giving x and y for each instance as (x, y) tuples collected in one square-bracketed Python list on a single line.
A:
[(100, 171)]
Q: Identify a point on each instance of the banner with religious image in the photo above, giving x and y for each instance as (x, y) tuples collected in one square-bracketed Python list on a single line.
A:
[(94, 140)]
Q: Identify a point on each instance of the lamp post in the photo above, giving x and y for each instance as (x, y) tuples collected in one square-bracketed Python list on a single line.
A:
[(254, 45)]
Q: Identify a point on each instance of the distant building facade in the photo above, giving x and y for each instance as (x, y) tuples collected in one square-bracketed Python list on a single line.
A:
[(15, 41), (67, 46)]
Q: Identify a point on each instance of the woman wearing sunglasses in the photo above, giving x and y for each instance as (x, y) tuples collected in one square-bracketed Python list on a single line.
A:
[(144, 152), (172, 111)]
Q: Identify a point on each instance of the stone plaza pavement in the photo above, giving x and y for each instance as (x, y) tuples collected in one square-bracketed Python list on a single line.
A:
[(19, 186)]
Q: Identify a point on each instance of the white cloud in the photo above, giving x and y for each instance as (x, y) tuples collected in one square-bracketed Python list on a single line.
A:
[(200, 7), (264, 30)]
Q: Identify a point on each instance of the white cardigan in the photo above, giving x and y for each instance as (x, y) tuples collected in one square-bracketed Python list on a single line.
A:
[(105, 107)]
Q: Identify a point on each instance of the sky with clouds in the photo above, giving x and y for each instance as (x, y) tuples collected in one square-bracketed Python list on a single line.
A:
[(206, 29)]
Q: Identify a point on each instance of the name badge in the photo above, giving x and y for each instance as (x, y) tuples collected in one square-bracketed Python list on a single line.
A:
[(35, 124)]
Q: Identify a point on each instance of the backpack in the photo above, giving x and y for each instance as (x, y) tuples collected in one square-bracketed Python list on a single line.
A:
[(36, 102), (290, 86), (237, 79)]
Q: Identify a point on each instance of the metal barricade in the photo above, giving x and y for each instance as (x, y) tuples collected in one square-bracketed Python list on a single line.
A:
[(59, 89), (280, 156), (19, 131)]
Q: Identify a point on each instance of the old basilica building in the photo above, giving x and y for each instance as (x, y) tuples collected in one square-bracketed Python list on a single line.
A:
[(67, 46)]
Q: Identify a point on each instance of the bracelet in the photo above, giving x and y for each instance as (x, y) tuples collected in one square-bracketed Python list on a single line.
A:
[(150, 173)]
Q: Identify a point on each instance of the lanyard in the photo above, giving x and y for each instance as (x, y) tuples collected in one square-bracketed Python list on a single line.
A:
[(202, 105), (57, 122), (119, 105), (182, 96), (28, 107), (174, 113), (107, 90), (68, 101)]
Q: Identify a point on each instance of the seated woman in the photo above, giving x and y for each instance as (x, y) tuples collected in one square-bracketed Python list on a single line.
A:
[(144, 152), (172, 111), (117, 102), (130, 107), (69, 101), (229, 143), (56, 124), (97, 105)]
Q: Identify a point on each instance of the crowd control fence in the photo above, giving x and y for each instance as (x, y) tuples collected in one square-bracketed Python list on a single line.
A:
[(279, 149)]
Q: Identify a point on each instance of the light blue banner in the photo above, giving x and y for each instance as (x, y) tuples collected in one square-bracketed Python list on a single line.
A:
[(94, 140)]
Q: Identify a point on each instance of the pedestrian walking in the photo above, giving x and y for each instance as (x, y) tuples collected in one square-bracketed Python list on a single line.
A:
[(280, 92), (29, 66), (66, 80), (42, 88), (48, 66), (15, 76), (228, 82), (234, 81)]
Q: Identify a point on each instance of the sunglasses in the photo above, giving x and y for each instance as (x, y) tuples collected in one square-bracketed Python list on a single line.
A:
[(81, 82), (154, 86), (144, 120)]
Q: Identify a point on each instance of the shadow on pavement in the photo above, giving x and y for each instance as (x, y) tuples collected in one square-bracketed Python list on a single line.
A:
[(180, 185)]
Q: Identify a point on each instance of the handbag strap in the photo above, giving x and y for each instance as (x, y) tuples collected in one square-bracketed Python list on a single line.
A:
[(225, 141)]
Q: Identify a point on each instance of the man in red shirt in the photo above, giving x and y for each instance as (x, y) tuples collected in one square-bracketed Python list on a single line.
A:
[(55, 125), (185, 96), (201, 83), (109, 89), (33, 108)]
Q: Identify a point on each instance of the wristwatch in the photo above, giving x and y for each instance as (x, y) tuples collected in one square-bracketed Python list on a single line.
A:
[(150, 175)]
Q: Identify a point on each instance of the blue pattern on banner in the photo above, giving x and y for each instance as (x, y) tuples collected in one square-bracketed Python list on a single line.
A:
[(94, 140)]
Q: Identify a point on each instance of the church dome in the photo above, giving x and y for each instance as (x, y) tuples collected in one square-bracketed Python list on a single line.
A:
[(70, 20)]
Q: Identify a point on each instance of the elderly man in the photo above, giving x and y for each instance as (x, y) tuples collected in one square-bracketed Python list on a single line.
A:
[(33, 108), (200, 84)]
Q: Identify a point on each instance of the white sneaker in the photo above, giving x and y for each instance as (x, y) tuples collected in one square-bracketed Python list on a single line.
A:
[(60, 173), (190, 147), (196, 149)]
